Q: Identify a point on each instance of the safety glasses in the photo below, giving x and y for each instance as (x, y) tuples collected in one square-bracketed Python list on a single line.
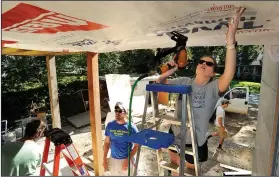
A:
[(208, 63)]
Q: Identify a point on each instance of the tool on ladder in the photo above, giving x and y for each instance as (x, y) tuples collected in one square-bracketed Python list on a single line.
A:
[(187, 114), (62, 141)]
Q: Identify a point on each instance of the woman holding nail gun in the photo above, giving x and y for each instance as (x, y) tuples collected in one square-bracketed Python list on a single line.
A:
[(205, 92)]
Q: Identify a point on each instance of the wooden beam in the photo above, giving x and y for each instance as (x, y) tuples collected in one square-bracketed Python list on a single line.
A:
[(53, 91), (23, 52), (95, 112)]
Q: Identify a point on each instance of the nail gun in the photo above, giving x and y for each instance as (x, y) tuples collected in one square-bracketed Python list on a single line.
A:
[(179, 49)]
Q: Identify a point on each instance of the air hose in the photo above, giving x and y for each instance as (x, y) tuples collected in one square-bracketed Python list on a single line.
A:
[(130, 117)]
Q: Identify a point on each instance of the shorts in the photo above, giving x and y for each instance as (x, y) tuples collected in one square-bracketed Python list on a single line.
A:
[(202, 151), (115, 168), (222, 134)]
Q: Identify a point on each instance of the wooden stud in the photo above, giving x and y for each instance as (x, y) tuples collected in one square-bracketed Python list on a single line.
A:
[(95, 112), (53, 91)]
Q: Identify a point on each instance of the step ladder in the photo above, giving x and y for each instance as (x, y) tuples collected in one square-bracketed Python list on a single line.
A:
[(63, 145), (187, 114)]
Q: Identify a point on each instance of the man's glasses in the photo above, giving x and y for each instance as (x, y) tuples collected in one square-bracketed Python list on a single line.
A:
[(208, 63)]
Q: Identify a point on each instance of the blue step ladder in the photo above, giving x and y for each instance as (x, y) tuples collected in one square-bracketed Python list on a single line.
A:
[(187, 114)]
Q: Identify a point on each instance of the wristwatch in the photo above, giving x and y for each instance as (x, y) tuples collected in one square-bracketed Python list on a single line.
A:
[(232, 46)]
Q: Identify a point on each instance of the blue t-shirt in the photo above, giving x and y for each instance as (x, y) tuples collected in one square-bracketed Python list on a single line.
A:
[(116, 132)]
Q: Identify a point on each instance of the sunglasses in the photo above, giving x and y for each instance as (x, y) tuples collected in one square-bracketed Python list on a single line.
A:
[(119, 110), (208, 63)]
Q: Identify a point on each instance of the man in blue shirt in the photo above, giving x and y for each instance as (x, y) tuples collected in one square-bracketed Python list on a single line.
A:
[(115, 131)]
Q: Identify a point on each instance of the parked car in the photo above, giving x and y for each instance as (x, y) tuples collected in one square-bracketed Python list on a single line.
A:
[(239, 99)]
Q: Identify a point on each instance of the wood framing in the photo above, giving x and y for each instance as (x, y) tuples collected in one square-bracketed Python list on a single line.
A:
[(274, 133), (53, 91), (23, 52), (95, 112)]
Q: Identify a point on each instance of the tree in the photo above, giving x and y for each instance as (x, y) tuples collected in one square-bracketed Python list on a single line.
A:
[(245, 55), (18, 72), (109, 63), (71, 64), (128, 62), (136, 61), (248, 54)]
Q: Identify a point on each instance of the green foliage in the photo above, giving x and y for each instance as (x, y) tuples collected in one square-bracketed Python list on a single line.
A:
[(254, 87), (128, 62), (71, 64), (24, 79), (108, 63), (70, 68), (22, 103), (70, 79), (248, 54), (245, 55), (22, 72), (19, 71)]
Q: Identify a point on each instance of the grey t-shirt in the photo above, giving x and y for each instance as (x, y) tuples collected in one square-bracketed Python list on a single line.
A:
[(204, 99)]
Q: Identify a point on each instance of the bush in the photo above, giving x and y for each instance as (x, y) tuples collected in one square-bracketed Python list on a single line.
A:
[(254, 87)]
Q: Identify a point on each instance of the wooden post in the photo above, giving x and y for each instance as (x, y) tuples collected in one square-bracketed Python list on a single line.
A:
[(53, 91), (95, 112)]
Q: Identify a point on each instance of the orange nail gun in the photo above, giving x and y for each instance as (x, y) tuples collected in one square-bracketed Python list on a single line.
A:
[(179, 49)]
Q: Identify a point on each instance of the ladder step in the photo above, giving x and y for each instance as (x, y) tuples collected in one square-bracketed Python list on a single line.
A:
[(169, 166), (175, 168), (186, 151)]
